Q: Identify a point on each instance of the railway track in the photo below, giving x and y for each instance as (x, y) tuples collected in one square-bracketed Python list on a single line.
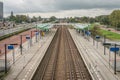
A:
[(62, 60)]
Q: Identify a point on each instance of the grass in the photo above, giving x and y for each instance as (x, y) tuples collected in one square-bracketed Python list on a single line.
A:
[(2, 75), (91, 26), (110, 35)]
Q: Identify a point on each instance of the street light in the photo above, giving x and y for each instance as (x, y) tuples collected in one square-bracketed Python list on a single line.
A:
[(104, 46), (115, 60), (31, 36), (93, 35), (21, 42), (6, 56), (97, 38)]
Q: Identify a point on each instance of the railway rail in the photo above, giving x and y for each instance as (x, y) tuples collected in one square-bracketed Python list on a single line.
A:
[(62, 60)]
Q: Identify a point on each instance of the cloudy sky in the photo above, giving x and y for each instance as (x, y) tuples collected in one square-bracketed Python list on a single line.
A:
[(61, 8)]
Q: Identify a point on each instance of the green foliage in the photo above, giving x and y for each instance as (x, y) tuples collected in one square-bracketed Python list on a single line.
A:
[(19, 18), (52, 18), (103, 19), (24, 18), (34, 19), (110, 35), (115, 18), (73, 19), (92, 20), (84, 19), (39, 18), (95, 30)]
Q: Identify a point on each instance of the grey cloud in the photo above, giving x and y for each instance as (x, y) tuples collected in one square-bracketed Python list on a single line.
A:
[(87, 4), (58, 5)]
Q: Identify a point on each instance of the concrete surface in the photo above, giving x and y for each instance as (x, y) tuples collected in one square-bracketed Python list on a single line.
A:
[(26, 64), (97, 62)]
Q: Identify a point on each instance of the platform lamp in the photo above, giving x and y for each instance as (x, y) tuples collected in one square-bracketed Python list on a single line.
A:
[(104, 46), (21, 47), (31, 36)]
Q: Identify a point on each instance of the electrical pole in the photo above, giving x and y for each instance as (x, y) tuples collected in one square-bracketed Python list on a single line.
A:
[(21, 44), (5, 58), (115, 60), (104, 46)]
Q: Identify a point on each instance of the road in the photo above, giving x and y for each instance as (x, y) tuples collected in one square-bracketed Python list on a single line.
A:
[(17, 28)]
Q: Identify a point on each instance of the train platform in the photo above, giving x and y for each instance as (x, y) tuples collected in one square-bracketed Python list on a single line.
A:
[(27, 63), (98, 64)]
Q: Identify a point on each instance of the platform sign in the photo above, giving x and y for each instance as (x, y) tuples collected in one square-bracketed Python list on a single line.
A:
[(37, 33), (87, 33), (97, 37), (27, 37), (114, 49), (107, 44), (10, 47)]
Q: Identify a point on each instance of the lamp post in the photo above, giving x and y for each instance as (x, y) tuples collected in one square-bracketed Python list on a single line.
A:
[(21, 47), (109, 56), (93, 34), (97, 38), (104, 46), (115, 60), (108, 45), (31, 39), (35, 34), (115, 49), (6, 56), (21, 44)]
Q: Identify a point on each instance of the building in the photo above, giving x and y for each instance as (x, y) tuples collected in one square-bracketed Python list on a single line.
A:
[(12, 14), (1, 10)]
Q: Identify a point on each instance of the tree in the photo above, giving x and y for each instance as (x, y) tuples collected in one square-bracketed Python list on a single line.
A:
[(21, 18), (34, 19), (95, 30), (39, 18), (53, 18), (84, 19), (91, 20), (115, 19), (103, 19)]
